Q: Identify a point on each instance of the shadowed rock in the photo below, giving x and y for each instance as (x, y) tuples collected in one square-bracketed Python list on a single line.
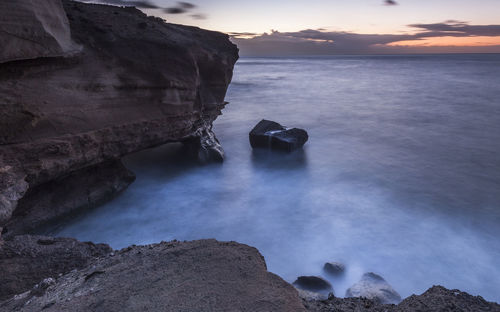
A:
[(26, 260), (270, 134), (373, 286), (334, 268), (33, 29), (313, 283), (202, 275)]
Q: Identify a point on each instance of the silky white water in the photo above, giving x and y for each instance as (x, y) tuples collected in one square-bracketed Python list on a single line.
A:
[(401, 175)]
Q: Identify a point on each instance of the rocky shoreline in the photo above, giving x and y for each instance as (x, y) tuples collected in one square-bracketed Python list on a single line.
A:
[(83, 85)]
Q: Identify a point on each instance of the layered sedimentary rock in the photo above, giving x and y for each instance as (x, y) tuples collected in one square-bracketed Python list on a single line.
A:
[(31, 29), (137, 82), (202, 275)]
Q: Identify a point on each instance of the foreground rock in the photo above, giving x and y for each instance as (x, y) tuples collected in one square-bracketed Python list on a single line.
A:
[(373, 286), (202, 275), (270, 134), (137, 83), (27, 260), (313, 283), (436, 299)]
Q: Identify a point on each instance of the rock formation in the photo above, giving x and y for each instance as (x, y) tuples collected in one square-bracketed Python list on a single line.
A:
[(136, 83), (27, 260), (272, 135), (435, 299), (375, 287), (33, 29), (202, 275), (334, 268), (313, 284)]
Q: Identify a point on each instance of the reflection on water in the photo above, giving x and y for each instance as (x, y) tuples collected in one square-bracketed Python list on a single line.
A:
[(401, 175)]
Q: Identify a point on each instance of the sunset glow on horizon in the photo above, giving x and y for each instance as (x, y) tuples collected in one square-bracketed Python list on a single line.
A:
[(356, 26)]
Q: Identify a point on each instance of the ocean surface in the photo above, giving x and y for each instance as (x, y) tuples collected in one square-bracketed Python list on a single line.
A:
[(401, 175)]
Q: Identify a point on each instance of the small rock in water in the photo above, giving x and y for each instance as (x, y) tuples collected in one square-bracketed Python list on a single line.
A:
[(270, 134), (373, 286), (334, 268), (313, 283)]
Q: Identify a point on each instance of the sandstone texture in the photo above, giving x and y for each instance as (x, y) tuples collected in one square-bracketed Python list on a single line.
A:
[(136, 82), (202, 275), (27, 260), (32, 29)]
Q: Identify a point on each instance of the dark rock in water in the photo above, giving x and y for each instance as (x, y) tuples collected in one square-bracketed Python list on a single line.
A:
[(270, 134), (373, 286), (202, 275), (27, 260), (313, 283), (334, 268)]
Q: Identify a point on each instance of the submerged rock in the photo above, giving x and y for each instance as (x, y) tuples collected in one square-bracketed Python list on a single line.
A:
[(270, 134), (203, 275), (313, 283), (27, 260), (334, 268), (373, 286)]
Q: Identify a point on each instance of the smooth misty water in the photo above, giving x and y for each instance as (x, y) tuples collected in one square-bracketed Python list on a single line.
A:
[(401, 175)]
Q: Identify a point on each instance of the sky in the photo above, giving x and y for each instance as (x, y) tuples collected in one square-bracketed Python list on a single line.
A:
[(277, 27)]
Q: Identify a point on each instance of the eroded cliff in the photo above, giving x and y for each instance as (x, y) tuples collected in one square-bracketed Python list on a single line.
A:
[(136, 83)]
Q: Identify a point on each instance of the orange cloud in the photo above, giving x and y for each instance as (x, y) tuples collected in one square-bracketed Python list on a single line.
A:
[(478, 41)]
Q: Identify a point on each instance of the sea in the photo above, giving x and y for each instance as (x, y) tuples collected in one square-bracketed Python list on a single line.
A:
[(400, 176)]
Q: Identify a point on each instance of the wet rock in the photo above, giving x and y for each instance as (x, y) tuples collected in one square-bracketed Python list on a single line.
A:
[(204, 146), (29, 260), (435, 299), (129, 89), (334, 268), (202, 275), (270, 134), (311, 295), (438, 298), (313, 283), (373, 286)]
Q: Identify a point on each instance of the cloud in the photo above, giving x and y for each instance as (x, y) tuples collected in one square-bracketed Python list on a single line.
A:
[(199, 16), (319, 41), (180, 8), (460, 29), (390, 2)]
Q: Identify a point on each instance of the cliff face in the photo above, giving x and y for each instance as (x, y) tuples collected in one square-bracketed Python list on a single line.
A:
[(32, 29), (136, 83)]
